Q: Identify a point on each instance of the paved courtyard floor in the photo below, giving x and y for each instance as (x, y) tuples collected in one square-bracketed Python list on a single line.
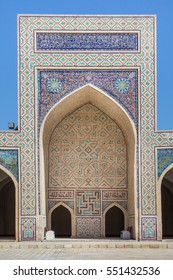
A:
[(86, 250), (86, 254)]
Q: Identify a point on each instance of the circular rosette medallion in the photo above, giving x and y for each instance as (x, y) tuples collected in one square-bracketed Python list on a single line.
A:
[(54, 85), (122, 85)]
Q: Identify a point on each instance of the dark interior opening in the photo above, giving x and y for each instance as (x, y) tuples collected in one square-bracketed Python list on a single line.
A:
[(114, 222), (167, 212), (7, 207), (61, 222)]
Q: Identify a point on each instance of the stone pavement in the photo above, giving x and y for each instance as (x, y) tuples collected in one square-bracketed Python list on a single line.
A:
[(86, 250), (86, 254)]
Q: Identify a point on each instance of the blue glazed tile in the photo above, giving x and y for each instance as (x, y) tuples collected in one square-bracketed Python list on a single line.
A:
[(122, 85), (86, 41), (164, 158), (9, 160)]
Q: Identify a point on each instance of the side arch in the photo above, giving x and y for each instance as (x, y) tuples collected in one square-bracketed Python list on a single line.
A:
[(105, 103), (16, 186), (159, 199)]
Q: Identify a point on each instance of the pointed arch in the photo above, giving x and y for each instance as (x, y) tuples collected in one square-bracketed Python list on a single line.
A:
[(105, 103), (165, 172), (159, 200), (5, 170), (123, 211), (54, 208), (16, 198)]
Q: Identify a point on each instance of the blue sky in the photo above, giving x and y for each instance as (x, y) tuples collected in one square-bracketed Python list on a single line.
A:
[(8, 46)]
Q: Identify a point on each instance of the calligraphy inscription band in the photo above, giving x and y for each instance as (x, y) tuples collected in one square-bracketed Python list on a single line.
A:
[(52, 194), (115, 195)]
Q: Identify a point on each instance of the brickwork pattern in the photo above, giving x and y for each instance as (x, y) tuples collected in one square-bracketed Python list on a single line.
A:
[(87, 227), (87, 149)]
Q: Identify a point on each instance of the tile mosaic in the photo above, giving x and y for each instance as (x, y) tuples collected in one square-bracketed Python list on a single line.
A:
[(28, 229), (164, 159), (60, 81), (119, 84), (9, 160), (49, 41), (149, 228)]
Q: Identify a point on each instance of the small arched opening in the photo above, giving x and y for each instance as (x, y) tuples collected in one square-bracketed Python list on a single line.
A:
[(61, 222), (7, 206), (114, 222), (167, 204)]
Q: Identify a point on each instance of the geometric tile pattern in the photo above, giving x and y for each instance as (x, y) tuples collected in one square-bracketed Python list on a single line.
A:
[(87, 150), (149, 228), (51, 204), (87, 227), (46, 41), (145, 59), (106, 204), (28, 229), (88, 203), (122, 85), (164, 159), (9, 160), (29, 61)]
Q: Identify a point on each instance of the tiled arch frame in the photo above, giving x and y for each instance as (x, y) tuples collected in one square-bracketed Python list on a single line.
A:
[(159, 201), (16, 186), (105, 103)]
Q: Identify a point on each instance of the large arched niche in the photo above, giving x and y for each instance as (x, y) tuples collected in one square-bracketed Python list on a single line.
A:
[(9, 205), (98, 98), (164, 185)]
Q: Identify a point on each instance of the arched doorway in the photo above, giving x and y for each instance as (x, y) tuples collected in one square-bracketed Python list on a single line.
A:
[(167, 204), (61, 222), (7, 206), (114, 222)]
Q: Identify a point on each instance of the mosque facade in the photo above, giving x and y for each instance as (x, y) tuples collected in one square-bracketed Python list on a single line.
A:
[(86, 160)]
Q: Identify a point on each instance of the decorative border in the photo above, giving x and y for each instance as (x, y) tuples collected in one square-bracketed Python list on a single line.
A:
[(67, 40)]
